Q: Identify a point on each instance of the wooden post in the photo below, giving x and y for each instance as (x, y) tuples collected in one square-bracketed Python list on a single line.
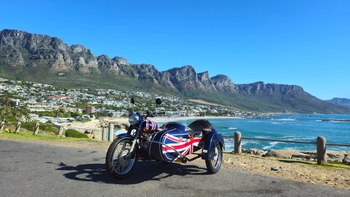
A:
[(2, 125), (110, 132), (321, 150), (238, 142), (103, 133), (60, 131), (36, 129), (18, 126)]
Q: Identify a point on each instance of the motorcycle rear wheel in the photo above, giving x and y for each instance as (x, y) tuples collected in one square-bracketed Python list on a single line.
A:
[(120, 160), (214, 164)]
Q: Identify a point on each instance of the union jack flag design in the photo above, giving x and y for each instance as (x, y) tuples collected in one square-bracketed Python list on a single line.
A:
[(181, 142)]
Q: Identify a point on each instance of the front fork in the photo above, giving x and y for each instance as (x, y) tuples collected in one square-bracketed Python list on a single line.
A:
[(134, 142)]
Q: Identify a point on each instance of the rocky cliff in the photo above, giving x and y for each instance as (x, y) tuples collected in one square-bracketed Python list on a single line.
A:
[(340, 101), (45, 59)]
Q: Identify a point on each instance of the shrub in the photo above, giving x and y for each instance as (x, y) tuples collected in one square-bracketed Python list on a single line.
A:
[(28, 126), (75, 134), (45, 127), (49, 127)]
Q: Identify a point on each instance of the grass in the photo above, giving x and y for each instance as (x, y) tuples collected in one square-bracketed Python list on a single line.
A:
[(333, 166), (22, 135), (326, 166), (75, 134)]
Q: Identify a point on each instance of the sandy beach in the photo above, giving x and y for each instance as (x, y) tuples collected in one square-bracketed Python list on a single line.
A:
[(96, 124)]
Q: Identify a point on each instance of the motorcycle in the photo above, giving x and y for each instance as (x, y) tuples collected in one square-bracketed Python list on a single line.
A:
[(172, 142)]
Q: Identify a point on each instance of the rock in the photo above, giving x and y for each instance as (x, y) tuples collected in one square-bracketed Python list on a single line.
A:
[(346, 160), (286, 154), (31, 64), (305, 156), (335, 157), (254, 151), (228, 160), (223, 84), (274, 168), (7, 130)]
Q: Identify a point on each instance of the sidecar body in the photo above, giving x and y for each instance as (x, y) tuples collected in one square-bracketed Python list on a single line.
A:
[(176, 141)]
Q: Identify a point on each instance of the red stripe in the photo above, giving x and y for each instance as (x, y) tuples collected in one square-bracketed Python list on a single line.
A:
[(186, 146)]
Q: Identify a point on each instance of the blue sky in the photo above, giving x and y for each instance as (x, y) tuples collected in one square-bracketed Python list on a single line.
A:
[(294, 42)]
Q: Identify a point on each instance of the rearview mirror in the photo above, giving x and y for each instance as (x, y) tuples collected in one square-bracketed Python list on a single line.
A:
[(158, 101)]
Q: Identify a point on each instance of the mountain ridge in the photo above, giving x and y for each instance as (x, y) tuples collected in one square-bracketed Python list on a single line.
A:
[(46, 59), (340, 101)]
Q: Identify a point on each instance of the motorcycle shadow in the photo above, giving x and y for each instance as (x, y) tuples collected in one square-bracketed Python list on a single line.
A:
[(153, 170), (143, 171)]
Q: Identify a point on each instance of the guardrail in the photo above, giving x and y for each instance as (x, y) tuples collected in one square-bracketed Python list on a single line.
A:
[(106, 135), (320, 142), (18, 127)]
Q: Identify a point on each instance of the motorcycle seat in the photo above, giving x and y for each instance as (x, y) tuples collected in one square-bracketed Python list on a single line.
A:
[(198, 127), (194, 133)]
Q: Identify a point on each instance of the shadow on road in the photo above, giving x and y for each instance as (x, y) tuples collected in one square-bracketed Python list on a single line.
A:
[(143, 171)]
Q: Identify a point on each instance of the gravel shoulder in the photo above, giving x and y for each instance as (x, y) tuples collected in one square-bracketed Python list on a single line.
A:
[(304, 171)]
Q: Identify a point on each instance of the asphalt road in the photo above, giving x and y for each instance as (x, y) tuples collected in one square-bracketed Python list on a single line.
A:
[(29, 169)]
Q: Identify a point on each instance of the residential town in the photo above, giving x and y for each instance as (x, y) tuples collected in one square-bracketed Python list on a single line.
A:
[(37, 97)]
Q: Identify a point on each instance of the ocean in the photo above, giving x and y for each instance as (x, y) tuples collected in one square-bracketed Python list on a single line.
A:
[(297, 127)]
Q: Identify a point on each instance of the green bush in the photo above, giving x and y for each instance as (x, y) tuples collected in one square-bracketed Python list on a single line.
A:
[(49, 127), (75, 134), (28, 126), (46, 127)]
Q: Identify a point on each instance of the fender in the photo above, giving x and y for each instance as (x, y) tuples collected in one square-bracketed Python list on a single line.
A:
[(210, 140), (124, 135)]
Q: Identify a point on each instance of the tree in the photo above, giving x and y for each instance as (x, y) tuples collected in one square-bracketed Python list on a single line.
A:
[(6, 100)]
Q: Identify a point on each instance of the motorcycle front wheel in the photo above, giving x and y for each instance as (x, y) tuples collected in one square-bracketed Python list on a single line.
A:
[(214, 164), (120, 159)]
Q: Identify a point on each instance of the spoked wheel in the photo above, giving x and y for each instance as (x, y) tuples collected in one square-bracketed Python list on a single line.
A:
[(120, 159), (214, 164)]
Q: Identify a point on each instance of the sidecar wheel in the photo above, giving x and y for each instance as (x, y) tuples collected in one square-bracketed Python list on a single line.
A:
[(214, 164), (120, 160)]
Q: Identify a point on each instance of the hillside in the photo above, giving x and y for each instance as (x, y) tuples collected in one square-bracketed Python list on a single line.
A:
[(45, 59), (340, 101)]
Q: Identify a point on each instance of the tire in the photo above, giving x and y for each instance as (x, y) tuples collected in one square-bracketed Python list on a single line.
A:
[(120, 160), (214, 164)]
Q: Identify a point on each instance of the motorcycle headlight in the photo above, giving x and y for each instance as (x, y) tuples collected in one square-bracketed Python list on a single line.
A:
[(134, 119)]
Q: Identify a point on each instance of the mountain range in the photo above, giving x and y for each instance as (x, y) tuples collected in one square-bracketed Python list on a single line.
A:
[(340, 101), (46, 59)]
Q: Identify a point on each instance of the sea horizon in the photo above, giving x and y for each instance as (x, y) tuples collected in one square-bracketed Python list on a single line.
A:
[(292, 127)]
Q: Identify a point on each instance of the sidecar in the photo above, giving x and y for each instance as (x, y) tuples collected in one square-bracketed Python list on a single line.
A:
[(176, 141)]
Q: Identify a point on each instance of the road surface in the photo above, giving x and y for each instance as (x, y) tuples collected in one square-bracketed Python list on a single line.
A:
[(29, 169)]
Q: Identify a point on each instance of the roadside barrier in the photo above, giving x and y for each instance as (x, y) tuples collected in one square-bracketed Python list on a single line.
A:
[(18, 126), (320, 142), (2, 124), (111, 132), (36, 129)]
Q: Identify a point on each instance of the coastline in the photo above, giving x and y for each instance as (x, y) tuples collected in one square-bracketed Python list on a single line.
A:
[(96, 124), (310, 155), (287, 164)]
